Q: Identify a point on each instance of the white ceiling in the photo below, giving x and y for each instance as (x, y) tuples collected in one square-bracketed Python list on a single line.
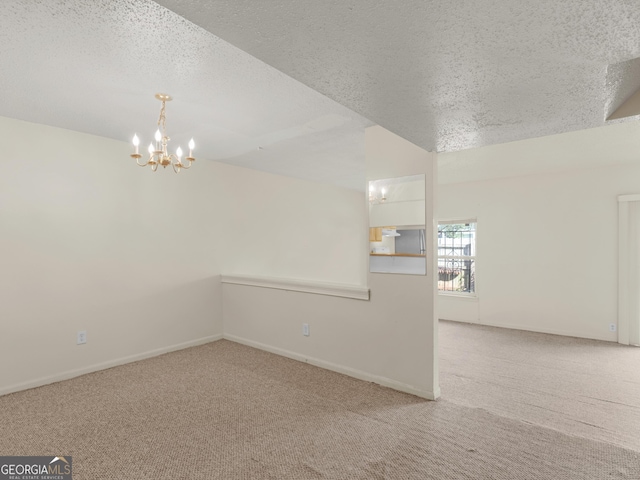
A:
[(94, 66), (446, 75)]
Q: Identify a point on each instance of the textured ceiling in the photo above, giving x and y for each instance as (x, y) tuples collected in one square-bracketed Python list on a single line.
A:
[(94, 66), (446, 75)]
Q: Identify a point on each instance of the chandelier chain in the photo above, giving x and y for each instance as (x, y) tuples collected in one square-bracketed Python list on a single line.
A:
[(162, 119)]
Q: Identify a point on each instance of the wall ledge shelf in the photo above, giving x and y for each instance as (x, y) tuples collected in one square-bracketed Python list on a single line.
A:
[(356, 292), (397, 255)]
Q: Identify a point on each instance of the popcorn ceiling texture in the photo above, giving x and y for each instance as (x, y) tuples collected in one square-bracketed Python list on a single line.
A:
[(95, 66), (445, 75)]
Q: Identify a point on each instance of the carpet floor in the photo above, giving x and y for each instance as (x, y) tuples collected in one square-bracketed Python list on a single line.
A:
[(226, 411), (585, 388)]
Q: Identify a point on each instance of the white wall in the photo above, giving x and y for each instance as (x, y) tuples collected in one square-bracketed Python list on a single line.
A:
[(546, 249), (390, 339), (271, 225), (89, 241), (404, 204)]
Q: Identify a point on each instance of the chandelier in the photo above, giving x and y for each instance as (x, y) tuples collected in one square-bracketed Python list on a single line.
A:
[(158, 153)]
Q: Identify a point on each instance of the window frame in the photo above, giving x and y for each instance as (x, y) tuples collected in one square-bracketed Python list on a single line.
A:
[(474, 258)]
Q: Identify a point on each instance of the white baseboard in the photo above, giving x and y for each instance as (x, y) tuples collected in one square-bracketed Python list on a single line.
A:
[(385, 382), (351, 372), (104, 365)]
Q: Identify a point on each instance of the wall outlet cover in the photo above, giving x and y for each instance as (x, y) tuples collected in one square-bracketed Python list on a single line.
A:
[(305, 329), (82, 337), (612, 327)]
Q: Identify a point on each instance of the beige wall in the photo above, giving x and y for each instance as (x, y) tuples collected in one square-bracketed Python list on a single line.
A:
[(391, 339), (547, 249), (89, 241), (278, 226), (389, 156), (384, 340), (404, 206)]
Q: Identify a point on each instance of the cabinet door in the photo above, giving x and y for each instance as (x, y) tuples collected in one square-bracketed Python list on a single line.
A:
[(375, 234)]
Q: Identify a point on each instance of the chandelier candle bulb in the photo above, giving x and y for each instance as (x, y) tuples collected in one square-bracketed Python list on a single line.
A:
[(158, 137), (160, 154)]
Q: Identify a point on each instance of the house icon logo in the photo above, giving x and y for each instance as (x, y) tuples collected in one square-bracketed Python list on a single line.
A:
[(36, 468)]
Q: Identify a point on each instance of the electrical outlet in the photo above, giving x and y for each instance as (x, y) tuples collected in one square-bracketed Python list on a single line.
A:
[(305, 329), (612, 327), (82, 337)]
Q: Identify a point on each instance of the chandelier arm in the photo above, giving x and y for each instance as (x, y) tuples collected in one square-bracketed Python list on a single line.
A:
[(184, 165), (142, 164)]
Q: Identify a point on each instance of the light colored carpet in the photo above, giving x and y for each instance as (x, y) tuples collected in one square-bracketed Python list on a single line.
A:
[(582, 387), (225, 411)]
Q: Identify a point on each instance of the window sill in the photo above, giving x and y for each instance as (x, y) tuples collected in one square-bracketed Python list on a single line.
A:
[(469, 297)]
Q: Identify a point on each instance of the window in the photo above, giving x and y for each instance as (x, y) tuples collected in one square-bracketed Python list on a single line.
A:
[(457, 256)]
